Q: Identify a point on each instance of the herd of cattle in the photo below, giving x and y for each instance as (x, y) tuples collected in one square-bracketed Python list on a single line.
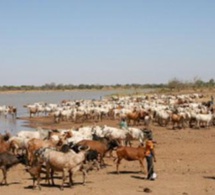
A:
[(69, 151), (83, 149), (179, 110)]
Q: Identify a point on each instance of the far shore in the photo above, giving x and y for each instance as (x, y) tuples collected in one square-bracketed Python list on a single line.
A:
[(45, 91), (71, 90), (121, 91)]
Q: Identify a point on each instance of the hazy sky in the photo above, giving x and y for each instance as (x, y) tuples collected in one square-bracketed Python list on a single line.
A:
[(106, 41)]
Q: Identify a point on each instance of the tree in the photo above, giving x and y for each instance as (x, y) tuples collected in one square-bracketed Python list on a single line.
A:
[(175, 84), (211, 83)]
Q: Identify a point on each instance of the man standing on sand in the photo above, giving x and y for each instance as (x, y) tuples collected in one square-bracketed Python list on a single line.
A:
[(150, 157)]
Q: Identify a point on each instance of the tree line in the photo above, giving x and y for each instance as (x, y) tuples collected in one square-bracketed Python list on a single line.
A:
[(173, 84)]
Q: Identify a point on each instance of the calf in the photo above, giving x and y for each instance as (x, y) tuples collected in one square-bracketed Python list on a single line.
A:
[(35, 172)]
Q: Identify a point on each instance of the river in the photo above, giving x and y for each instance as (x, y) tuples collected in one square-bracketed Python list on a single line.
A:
[(22, 98)]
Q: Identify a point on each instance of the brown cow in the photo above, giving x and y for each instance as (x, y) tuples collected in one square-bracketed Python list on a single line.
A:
[(137, 117), (133, 116), (177, 119), (12, 111), (130, 154), (100, 147)]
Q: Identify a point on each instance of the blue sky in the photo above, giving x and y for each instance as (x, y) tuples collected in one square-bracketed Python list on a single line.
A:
[(106, 42)]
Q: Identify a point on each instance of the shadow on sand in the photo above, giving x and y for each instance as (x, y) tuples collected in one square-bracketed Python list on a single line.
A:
[(209, 177), (124, 172)]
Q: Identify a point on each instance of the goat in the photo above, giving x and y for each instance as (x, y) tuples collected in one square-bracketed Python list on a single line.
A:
[(130, 154)]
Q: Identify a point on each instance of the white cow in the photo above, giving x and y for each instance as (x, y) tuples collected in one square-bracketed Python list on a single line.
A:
[(136, 134)]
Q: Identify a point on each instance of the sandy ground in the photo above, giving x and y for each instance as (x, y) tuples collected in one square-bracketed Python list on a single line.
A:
[(185, 165)]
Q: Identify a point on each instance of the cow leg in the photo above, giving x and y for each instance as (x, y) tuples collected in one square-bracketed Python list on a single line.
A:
[(117, 165), (48, 175), (70, 179), (173, 125), (142, 169), (63, 179), (4, 180), (96, 163), (33, 187), (52, 177), (197, 124), (38, 182), (84, 172)]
